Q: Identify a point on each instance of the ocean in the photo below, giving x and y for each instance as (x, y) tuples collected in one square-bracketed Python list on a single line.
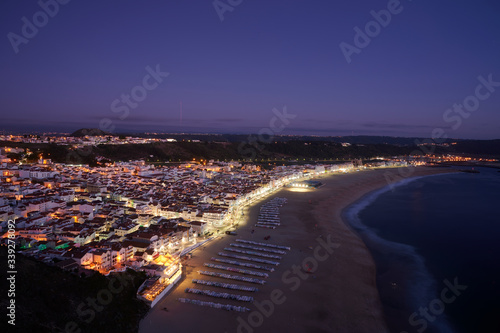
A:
[(436, 244)]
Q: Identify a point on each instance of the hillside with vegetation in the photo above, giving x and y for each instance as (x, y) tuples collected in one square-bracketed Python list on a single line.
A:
[(224, 147), (49, 299)]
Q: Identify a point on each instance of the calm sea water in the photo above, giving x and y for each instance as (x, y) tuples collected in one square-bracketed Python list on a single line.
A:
[(428, 233)]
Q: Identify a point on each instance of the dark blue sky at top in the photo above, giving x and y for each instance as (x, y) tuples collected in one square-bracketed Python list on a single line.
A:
[(269, 54)]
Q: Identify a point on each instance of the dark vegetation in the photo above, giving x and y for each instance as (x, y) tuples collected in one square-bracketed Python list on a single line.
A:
[(182, 151), (47, 299), (282, 148)]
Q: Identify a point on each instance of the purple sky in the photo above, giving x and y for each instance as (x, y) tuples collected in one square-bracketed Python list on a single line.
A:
[(230, 74)]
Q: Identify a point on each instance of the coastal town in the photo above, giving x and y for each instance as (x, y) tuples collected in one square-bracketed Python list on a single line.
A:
[(138, 215), (131, 214)]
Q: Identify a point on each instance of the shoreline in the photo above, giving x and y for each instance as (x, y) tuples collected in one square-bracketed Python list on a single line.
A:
[(369, 197), (341, 293), (393, 311)]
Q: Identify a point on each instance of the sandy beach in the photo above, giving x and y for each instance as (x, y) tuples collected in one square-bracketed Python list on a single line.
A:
[(339, 292)]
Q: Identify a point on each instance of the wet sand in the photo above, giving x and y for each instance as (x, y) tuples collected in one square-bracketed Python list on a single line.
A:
[(339, 293)]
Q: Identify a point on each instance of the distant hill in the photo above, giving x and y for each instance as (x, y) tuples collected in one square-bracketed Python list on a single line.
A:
[(241, 147), (480, 147), (359, 139), (89, 131)]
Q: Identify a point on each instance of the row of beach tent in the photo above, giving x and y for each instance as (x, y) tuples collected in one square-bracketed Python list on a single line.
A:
[(236, 270), (211, 293), (235, 256), (265, 226), (253, 253), (264, 244), (225, 285), (227, 307), (269, 214), (271, 224), (256, 259), (243, 264), (256, 248), (278, 201), (232, 277)]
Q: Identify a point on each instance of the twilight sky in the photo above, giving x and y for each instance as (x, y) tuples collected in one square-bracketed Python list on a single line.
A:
[(89, 62)]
